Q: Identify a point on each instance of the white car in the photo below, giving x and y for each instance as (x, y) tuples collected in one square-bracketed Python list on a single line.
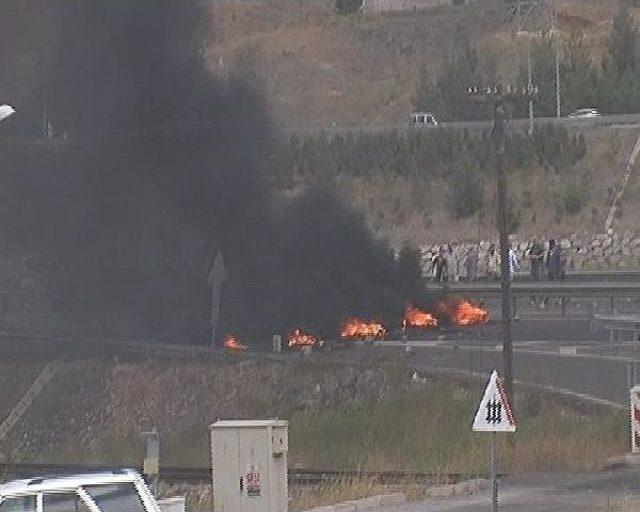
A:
[(423, 119), (113, 491), (584, 113)]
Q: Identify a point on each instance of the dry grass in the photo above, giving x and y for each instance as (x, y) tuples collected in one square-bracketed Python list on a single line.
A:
[(369, 418), (627, 503), (334, 492), (429, 430), (199, 498)]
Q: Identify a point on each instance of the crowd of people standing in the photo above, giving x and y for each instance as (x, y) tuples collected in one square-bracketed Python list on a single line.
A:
[(453, 263)]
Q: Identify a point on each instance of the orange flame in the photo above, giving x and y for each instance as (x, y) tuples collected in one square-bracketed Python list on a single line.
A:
[(231, 343), (414, 317), (362, 330), (297, 338), (464, 312)]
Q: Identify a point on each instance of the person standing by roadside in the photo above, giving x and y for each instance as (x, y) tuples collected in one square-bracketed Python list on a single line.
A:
[(453, 271), (554, 261), (536, 255), (471, 263), (493, 262), (554, 264), (514, 264), (439, 266)]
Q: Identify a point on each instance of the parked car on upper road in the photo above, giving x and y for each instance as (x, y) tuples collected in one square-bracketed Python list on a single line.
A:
[(423, 119), (584, 113)]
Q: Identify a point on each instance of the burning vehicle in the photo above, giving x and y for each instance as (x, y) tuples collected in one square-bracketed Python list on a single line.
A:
[(364, 330), (462, 313), (418, 319), (300, 340), (232, 344)]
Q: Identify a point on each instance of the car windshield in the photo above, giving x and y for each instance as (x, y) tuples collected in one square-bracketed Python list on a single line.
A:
[(116, 498), (63, 502), (22, 504)]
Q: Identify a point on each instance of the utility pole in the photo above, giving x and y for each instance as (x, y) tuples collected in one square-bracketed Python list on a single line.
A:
[(556, 44), (530, 87), (499, 98), (498, 140)]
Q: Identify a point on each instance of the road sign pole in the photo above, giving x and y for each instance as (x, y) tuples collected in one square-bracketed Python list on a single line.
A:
[(494, 415), (493, 456)]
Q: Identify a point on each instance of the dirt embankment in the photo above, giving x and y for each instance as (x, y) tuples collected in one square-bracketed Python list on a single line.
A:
[(95, 411), (367, 414)]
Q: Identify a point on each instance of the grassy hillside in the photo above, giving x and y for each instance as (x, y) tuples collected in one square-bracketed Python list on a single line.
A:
[(319, 68), (417, 206)]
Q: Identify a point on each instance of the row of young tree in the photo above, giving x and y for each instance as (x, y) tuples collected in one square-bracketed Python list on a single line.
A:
[(428, 153), (611, 85), (465, 160)]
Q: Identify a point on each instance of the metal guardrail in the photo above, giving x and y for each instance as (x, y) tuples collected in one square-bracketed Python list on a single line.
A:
[(486, 124), (199, 475), (17, 344), (625, 274), (547, 288)]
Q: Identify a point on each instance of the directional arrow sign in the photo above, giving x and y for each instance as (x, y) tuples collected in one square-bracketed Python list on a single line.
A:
[(494, 413), (217, 274)]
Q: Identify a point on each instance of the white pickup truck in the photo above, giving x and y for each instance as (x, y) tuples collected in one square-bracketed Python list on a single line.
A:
[(113, 491)]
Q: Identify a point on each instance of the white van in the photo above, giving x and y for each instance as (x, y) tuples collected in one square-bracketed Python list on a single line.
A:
[(114, 491)]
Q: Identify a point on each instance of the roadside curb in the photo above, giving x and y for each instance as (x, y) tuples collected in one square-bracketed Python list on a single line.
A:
[(622, 461), (468, 487), (370, 503)]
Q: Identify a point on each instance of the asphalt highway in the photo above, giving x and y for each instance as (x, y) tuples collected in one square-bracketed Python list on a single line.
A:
[(595, 369), (599, 491), (613, 120)]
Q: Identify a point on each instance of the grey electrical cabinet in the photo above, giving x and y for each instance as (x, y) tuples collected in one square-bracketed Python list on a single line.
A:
[(249, 465)]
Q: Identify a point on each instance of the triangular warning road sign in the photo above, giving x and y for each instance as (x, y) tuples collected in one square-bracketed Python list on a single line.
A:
[(494, 413)]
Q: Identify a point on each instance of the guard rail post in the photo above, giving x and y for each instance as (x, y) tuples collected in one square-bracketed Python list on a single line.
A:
[(631, 374)]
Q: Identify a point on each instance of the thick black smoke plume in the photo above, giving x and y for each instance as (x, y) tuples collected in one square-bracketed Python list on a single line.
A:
[(156, 168)]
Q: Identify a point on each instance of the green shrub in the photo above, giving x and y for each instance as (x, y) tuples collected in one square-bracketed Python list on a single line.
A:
[(466, 189), (571, 197), (348, 6), (426, 153)]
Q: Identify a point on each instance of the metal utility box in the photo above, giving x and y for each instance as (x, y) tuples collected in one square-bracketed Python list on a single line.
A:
[(249, 465)]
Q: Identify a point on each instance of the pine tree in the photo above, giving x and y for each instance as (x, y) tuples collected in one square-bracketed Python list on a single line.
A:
[(543, 70), (427, 97), (623, 41), (348, 6), (578, 77), (466, 187)]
